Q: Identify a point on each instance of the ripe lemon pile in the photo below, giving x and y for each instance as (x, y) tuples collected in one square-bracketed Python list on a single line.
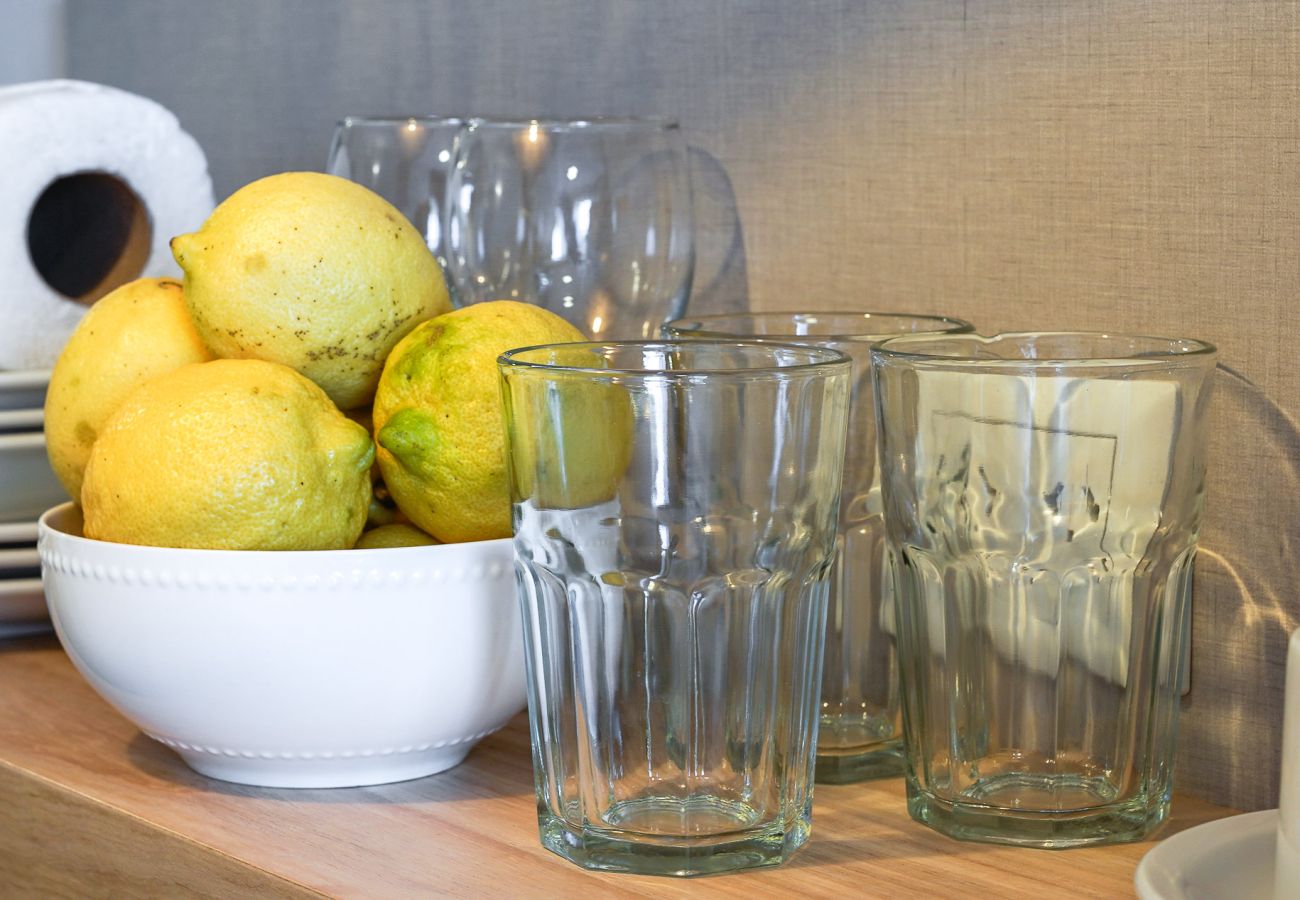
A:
[(307, 380)]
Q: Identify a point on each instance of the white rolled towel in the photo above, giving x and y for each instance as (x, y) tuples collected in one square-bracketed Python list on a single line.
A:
[(95, 183)]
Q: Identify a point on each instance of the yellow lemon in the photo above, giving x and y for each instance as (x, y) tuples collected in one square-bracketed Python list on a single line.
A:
[(439, 418), (395, 535), (229, 454), (135, 333), (312, 271), (571, 437), (383, 508)]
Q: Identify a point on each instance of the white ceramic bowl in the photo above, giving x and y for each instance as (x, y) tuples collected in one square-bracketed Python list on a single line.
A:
[(293, 669)]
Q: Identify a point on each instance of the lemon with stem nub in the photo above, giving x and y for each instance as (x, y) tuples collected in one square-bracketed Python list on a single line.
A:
[(313, 271), (233, 455), (439, 419)]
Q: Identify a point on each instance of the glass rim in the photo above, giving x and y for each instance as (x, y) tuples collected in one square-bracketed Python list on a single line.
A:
[(961, 325), (423, 119), (910, 349), (578, 123), (821, 358)]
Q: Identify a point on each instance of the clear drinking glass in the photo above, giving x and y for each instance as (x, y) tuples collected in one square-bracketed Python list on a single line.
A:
[(1043, 495), (860, 735), (590, 219), (674, 598), (406, 160)]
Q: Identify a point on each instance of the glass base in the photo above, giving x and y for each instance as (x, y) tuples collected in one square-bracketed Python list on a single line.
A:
[(846, 766), (1110, 823), (650, 854)]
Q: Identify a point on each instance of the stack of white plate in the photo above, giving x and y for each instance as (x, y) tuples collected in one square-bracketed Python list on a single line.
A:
[(27, 488)]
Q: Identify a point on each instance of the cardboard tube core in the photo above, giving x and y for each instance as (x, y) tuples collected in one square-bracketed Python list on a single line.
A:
[(87, 234)]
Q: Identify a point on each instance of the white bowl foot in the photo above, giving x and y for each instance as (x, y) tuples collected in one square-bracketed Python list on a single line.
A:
[(333, 772)]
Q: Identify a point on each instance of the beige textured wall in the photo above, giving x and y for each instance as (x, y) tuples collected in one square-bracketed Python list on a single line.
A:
[(1111, 164)]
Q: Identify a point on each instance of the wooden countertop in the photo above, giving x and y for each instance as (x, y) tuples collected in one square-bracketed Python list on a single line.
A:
[(91, 807)]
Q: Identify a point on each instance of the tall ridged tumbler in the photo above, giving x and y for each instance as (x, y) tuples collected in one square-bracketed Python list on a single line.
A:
[(674, 512), (861, 734), (1043, 495)]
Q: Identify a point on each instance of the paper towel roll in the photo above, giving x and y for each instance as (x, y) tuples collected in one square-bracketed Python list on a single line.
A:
[(94, 183)]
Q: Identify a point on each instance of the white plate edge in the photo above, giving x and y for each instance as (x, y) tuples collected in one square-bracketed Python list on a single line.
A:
[(15, 587), (18, 532), (23, 416), (1212, 832), (26, 440), (23, 379)]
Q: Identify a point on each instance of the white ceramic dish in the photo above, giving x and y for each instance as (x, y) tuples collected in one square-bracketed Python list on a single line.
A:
[(18, 560), (23, 390), (1227, 859), (22, 607), (19, 420), (294, 669), (18, 533), (27, 483)]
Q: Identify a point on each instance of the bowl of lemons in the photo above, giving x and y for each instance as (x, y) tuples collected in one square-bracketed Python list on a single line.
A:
[(288, 555)]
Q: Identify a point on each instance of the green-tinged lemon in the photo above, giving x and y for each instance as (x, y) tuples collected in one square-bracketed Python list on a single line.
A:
[(439, 417), (571, 436)]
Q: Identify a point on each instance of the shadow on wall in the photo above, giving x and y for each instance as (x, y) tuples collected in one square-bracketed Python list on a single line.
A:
[(1229, 749), (721, 283)]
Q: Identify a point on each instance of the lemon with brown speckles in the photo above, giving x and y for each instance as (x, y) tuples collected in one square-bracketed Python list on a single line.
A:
[(140, 330), (313, 271), (439, 420), (229, 455)]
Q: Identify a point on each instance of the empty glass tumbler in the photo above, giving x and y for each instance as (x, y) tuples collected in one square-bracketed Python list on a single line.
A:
[(591, 219), (407, 161), (1043, 495), (674, 593), (860, 735)]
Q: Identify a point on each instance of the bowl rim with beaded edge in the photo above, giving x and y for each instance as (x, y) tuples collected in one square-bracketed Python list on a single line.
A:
[(295, 668)]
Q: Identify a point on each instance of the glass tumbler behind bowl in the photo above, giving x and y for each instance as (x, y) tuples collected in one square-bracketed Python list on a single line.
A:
[(674, 593), (591, 219), (1043, 494), (860, 735), (407, 161)]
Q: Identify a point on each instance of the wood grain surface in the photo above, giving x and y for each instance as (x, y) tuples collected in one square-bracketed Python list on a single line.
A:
[(90, 807)]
